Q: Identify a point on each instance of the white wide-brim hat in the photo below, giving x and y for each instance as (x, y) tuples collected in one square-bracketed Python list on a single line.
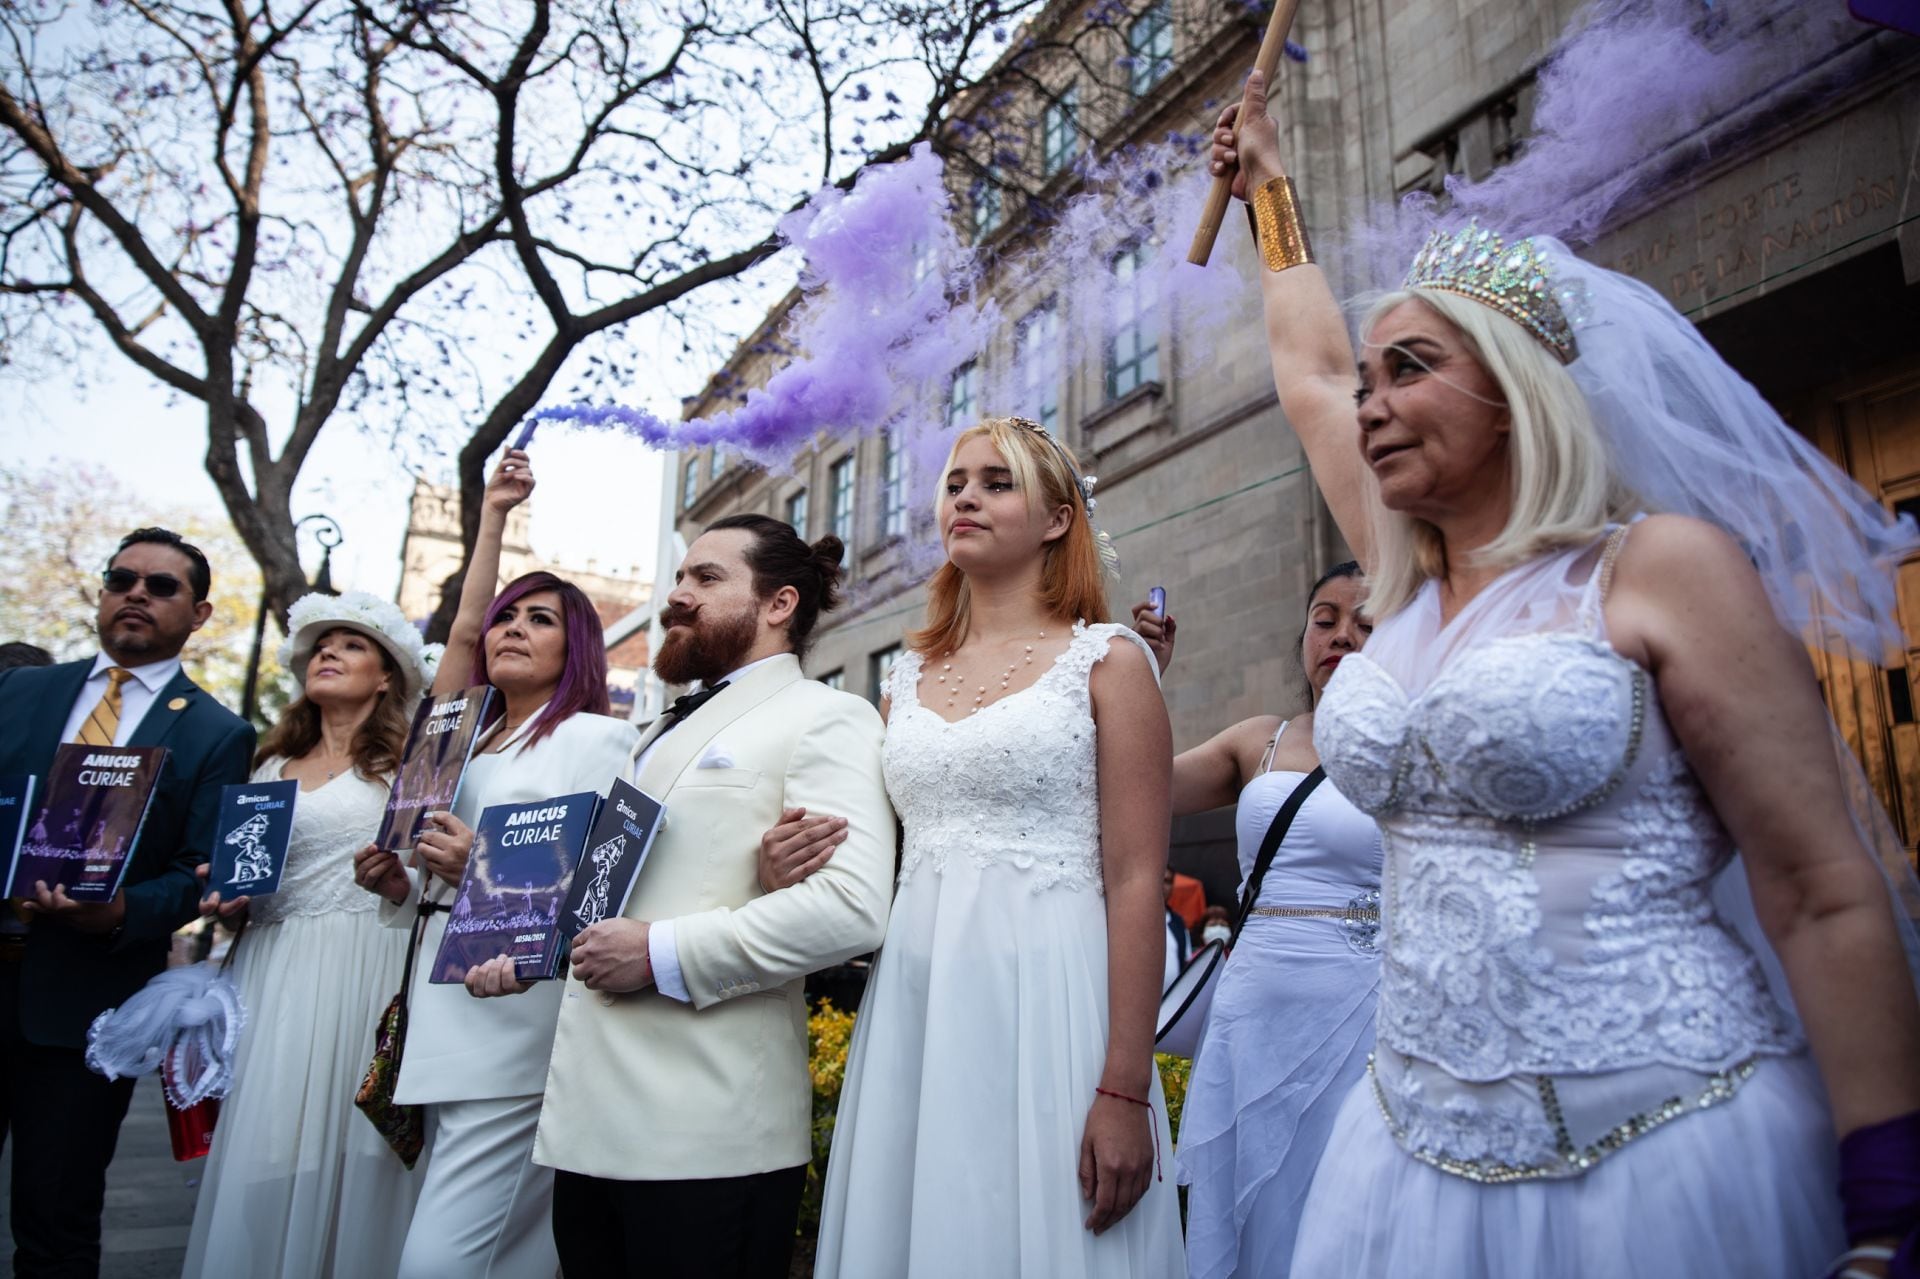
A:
[(379, 620)]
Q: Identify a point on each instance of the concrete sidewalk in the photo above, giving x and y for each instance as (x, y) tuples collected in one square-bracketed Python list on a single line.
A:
[(149, 1197)]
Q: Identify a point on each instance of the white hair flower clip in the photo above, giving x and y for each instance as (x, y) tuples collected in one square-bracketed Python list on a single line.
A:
[(1086, 491)]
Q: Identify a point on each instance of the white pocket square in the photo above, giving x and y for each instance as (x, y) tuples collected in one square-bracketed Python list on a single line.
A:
[(716, 757)]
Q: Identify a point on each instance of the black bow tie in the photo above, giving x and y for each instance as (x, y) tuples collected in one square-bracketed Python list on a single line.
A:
[(687, 705)]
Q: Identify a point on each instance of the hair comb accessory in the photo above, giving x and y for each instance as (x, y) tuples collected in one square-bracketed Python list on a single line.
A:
[(1477, 262), (1083, 486)]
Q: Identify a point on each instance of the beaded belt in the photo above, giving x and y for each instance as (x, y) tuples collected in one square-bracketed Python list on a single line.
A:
[(1568, 1156), (1359, 918)]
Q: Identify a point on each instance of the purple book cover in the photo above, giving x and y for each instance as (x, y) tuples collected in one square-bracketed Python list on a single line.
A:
[(517, 876), (428, 780), (84, 833)]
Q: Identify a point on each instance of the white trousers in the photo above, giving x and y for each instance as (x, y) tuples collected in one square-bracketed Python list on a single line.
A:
[(485, 1208)]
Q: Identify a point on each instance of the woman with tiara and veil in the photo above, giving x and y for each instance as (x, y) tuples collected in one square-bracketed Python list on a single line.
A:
[(1606, 1044)]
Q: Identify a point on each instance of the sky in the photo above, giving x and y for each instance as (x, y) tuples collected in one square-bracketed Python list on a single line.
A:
[(598, 495)]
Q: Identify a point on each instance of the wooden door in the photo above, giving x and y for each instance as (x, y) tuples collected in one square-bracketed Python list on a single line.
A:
[(1871, 426)]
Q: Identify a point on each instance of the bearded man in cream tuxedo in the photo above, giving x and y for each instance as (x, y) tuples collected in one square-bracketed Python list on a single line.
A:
[(678, 1109)]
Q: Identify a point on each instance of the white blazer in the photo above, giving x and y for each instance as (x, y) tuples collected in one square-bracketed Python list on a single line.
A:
[(646, 1088), (464, 1049)]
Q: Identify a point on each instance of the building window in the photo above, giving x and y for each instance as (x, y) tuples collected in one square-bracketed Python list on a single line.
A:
[(962, 395), (1150, 47), (923, 262), (797, 513), (893, 483), (718, 462), (836, 680), (985, 199), (690, 483), (880, 663), (840, 484), (1036, 357), (1060, 132), (1133, 352)]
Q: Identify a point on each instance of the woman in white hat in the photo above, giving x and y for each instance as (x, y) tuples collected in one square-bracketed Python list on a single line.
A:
[(297, 1183)]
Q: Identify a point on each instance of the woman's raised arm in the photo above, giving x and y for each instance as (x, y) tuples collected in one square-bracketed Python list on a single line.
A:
[(512, 484), (1313, 362)]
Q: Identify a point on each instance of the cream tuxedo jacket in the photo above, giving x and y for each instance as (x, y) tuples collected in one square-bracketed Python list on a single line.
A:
[(645, 1088)]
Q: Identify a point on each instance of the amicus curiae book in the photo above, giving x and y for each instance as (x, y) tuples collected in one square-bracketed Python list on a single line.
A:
[(616, 848), (253, 831), (16, 801), (517, 875), (85, 830), (440, 743)]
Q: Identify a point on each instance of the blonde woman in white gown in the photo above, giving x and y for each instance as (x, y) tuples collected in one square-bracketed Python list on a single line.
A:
[(1001, 1114), (298, 1183)]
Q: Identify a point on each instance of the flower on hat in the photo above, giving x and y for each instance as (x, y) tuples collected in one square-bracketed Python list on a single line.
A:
[(381, 619)]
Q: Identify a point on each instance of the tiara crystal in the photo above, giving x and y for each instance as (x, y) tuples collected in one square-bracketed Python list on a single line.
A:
[(1514, 279)]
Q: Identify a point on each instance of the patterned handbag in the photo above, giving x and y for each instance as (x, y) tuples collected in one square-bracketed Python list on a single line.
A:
[(403, 1127)]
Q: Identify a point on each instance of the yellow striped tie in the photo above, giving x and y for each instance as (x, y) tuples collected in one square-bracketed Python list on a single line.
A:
[(101, 726)]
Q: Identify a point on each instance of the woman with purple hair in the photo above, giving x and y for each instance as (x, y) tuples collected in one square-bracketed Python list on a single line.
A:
[(480, 1066), (1643, 997)]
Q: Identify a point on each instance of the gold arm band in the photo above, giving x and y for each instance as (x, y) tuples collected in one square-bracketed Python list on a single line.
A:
[(1276, 218)]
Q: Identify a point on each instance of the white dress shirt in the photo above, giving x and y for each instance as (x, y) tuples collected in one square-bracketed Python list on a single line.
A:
[(661, 954), (136, 695)]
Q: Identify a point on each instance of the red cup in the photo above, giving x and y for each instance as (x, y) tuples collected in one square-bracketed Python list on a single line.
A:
[(191, 1129)]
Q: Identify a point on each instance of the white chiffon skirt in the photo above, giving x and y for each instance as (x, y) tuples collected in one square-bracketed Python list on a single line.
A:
[(298, 1182), (1748, 1188), (1287, 1036), (973, 1063)]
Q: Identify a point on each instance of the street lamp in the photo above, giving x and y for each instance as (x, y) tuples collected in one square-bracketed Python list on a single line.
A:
[(328, 535)]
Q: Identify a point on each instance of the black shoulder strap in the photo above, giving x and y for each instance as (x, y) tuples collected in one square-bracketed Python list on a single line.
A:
[(1282, 822), (413, 945)]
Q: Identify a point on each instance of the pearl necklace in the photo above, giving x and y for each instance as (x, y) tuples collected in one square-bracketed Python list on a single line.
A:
[(980, 697)]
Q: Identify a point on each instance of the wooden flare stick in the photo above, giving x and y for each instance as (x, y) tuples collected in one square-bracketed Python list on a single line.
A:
[(1221, 195)]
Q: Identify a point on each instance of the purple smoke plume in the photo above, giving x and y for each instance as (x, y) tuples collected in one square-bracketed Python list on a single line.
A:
[(1626, 105), (880, 265), (892, 307)]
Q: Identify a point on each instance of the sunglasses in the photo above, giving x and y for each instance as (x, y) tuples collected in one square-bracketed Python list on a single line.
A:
[(162, 586)]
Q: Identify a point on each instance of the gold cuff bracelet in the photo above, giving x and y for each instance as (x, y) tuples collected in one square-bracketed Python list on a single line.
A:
[(1276, 218)]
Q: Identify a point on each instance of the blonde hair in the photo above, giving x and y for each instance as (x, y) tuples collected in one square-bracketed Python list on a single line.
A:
[(1564, 489), (1071, 584)]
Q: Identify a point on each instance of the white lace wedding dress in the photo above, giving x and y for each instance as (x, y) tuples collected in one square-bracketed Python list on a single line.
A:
[(298, 1181), (984, 1029), (1580, 1069)]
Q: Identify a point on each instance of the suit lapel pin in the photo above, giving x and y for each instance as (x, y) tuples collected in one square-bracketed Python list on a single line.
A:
[(177, 704)]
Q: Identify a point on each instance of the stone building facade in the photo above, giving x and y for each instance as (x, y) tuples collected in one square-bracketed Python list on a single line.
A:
[(1803, 204)]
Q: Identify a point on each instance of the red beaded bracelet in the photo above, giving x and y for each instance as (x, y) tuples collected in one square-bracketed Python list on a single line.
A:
[(1153, 1120)]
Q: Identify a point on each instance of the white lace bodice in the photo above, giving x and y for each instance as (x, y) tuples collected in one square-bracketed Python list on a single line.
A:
[(1015, 783), (329, 825), (1549, 864)]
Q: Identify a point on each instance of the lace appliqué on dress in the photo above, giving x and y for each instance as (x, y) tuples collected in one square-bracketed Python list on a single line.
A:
[(330, 825), (1013, 784), (1468, 982), (1484, 726)]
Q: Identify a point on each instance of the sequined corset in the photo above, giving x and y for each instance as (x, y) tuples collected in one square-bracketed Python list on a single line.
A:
[(1555, 979)]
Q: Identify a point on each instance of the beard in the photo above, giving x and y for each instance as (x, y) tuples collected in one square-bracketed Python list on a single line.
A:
[(151, 643), (710, 647)]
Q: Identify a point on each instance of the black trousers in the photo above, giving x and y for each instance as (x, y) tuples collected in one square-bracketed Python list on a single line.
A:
[(63, 1121), (723, 1228)]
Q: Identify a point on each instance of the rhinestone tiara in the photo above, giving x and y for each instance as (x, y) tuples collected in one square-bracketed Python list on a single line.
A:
[(1513, 279)]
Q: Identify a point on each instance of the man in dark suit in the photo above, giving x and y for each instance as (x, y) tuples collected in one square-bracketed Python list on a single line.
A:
[(72, 960)]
